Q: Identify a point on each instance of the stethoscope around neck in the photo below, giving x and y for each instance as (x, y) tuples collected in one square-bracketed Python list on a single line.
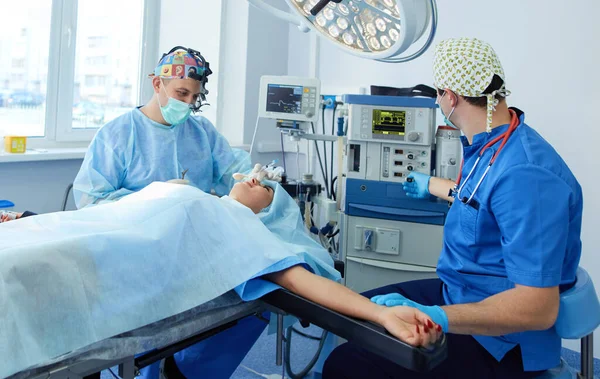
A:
[(514, 122)]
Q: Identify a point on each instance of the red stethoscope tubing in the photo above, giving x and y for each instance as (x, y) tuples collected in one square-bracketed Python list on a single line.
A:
[(514, 123)]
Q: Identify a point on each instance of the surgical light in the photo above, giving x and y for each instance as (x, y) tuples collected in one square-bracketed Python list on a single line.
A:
[(382, 30)]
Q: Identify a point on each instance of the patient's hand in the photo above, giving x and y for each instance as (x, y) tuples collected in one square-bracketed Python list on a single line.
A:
[(410, 325), (5, 217)]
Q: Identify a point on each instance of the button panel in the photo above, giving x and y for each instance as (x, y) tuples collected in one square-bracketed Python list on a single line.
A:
[(398, 161), (309, 99)]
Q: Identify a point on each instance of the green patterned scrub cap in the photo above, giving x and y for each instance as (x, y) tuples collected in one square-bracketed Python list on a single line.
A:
[(467, 67)]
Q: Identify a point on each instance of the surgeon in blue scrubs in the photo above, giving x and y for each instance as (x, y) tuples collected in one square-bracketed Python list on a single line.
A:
[(163, 141), (511, 239)]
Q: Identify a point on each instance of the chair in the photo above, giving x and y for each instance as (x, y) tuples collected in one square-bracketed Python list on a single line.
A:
[(6, 204), (575, 323), (66, 197)]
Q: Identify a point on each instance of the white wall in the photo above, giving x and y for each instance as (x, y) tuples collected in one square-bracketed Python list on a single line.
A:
[(549, 50), (195, 24), (38, 186)]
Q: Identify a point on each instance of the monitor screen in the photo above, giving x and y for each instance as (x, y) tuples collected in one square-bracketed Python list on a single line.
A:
[(389, 122), (284, 98)]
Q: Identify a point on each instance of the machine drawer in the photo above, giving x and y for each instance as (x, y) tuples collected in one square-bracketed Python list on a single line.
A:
[(365, 274), (393, 241)]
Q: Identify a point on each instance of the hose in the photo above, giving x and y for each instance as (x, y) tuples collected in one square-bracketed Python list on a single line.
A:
[(310, 365)]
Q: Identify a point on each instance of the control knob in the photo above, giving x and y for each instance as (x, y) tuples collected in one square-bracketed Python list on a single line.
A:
[(413, 136)]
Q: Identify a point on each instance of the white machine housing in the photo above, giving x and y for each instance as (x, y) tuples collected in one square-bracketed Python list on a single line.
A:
[(448, 152), (289, 98), (391, 152)]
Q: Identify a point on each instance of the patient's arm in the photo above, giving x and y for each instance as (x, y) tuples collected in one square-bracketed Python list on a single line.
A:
[(406, 323)]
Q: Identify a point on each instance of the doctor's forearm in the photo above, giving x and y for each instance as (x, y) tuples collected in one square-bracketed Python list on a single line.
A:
[(512, 311), (327, 293), (440, 187)]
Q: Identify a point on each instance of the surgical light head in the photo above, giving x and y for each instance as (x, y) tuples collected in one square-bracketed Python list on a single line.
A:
[(181, 63), (372, 29)]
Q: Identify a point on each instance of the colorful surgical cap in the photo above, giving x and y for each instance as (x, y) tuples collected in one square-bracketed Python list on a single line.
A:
[(178, 65), (467, 67)]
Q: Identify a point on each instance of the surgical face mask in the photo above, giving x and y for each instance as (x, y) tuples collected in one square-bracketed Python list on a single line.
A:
[(447, 119), (176, 111)]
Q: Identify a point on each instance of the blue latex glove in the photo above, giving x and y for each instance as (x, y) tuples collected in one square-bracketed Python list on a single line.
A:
[(418, 187), (437, 314)]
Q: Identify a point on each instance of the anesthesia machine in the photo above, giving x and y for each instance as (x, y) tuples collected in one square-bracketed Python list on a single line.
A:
[(386, 236)]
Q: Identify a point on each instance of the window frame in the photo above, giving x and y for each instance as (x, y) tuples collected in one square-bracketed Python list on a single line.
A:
[(58, 129)]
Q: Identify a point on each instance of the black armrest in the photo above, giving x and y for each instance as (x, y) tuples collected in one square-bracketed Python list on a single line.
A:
[(368, 335)]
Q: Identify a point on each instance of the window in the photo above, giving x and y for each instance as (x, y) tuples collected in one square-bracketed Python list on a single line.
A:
[(24, 46), (108, 42), (18, 63), (73, 65), (97, 41), (96, 61), (94, 81)]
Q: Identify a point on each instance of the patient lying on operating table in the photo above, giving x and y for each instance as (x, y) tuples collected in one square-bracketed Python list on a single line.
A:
[(70, 279)]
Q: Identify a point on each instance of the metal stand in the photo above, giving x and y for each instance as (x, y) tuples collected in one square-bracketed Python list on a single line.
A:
[(587, 356), (127, 369), (279, 352)]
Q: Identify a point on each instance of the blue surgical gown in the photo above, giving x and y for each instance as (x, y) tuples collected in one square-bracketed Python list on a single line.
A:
[(133, 151), (523, 227)]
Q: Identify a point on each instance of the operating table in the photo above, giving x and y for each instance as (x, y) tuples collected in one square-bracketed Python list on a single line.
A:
[(139, 348)]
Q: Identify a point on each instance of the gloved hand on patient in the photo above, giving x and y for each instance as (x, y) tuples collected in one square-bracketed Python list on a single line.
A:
[(436, 313), (260, 173)]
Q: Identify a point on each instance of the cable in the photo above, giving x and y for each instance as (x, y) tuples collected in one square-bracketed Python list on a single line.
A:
[(312, 125), (298, 181), (310, 365), (326, 178), (254, 135), (333, 188), (305, 335), (113, 374), (334, 234), (346, 126), (333, 134), (283, 154)]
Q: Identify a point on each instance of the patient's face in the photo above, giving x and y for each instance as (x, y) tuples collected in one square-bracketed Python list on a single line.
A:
[(252, 194)]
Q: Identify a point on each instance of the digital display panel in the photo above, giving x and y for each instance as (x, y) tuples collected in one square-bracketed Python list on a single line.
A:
[(284, 98), (389, 122)]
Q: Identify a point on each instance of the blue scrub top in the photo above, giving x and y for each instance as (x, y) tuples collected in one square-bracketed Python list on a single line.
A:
[(523, 229)]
